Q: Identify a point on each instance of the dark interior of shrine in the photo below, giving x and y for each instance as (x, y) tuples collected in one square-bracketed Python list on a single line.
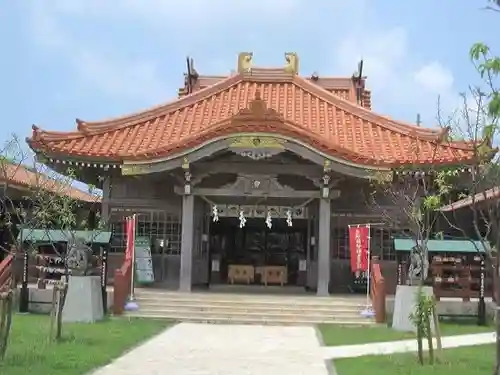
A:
[(257, 245)]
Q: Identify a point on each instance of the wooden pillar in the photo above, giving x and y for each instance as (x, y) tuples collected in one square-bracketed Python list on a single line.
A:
[(106, 193), (324, 258), (187, 236)]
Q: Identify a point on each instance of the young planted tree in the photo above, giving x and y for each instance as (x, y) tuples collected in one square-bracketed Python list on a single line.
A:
[(408, 198), (12, 213), (477, 215), (56, 207), (36, 198)]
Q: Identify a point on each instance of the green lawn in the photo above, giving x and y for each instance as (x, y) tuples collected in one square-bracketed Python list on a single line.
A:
[(477, 360), (84, 346), (334, 335)]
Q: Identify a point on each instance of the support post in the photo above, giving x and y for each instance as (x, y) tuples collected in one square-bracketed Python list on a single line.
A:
[(324, 247), (24, 298), (187, 243), (106, 193)]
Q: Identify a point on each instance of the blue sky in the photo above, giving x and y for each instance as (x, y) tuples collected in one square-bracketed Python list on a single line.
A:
[(95, 59)]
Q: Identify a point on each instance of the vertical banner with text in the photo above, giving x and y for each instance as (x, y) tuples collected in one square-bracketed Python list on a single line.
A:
[(358, 246), (130, 233)]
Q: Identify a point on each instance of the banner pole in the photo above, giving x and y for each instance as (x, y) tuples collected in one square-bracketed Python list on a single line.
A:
[(368, 271), (132, 267)]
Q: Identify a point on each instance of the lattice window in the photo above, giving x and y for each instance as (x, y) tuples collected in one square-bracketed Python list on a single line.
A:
[(162, 228), (340, 243), (381, 242)]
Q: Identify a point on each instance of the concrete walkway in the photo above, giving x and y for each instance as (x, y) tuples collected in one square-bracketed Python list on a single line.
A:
[(385, 348), (207, 349), (210, 349)]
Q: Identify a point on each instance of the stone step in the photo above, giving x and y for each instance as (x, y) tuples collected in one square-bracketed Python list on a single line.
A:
[(160, 310), (300, 320), (257, 304), (247, 307), (246, 296), (266, 301)]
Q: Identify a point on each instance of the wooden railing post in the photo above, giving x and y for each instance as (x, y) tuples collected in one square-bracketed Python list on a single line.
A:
[(377, 290), (6, 273), (121, 286)]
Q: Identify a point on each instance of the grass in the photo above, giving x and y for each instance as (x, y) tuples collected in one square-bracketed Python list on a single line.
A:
[(83, 348), (477, 360), (334, 335)]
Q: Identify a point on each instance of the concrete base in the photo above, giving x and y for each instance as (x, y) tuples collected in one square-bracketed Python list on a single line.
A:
[(405, 303), (84, 300)]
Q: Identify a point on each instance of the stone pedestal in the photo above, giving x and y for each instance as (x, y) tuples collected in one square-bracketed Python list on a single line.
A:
[(404, 304), (84, 300)]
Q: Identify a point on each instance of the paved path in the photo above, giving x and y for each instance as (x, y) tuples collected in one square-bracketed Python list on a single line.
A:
[(381, 348), (209, 349)]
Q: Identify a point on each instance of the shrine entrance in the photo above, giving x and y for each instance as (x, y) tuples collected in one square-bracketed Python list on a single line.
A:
[(258, 246)]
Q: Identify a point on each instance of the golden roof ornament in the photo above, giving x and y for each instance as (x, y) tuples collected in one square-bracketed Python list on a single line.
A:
[(327, 166), (292, 63), (185, 163), (245, 62)]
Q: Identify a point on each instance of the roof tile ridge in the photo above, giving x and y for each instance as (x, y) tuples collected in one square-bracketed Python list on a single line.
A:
[(96, 127), (49, 182), (358, 110), (40, 134), (420, 129), (227, 122), (99, 128)]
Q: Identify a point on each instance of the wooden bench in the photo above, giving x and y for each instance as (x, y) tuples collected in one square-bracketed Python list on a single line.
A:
[(274, 275), (240, 273)]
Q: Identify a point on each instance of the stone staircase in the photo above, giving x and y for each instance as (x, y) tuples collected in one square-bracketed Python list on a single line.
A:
[(250, 308)]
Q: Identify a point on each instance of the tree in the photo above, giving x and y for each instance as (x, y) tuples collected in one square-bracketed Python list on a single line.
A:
[(479, 125), (408, 198), (36, 198)]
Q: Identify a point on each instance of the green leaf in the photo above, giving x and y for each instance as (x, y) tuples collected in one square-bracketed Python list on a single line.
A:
[(478, 50)]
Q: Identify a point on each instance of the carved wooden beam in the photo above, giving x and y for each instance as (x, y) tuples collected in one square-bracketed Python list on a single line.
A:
[(308, 171)]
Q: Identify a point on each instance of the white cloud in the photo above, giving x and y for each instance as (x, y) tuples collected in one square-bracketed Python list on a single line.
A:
[(127, 78), (398, 82), (434, 77)]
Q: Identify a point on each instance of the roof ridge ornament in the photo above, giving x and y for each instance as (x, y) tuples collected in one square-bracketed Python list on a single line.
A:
[(80, 125), (245, 62), (292, 63)]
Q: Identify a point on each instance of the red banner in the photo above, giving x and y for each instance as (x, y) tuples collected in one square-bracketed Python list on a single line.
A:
[(358, 244), (130, 234)]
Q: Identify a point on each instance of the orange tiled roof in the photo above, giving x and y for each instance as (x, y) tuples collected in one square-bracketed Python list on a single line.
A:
[(306, 111), (21, 176), (343, 87), (493, 193)]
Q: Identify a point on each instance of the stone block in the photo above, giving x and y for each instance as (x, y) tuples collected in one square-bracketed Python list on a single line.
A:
[(84, 300)]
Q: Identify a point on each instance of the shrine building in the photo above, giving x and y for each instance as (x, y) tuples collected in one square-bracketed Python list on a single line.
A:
[(249, 178)]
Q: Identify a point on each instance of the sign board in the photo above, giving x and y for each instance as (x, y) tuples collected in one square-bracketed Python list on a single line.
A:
[(143, 261)]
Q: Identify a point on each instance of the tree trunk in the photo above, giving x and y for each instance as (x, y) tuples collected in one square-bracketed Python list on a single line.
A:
[(496, 371), (496, 290), (53, 312), (419, 344), (60, 306), (429, 340)]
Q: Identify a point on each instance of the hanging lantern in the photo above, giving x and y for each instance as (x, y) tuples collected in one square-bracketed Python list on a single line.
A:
[(269, 220), (215, 213), (289, 218), (242, 219)]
